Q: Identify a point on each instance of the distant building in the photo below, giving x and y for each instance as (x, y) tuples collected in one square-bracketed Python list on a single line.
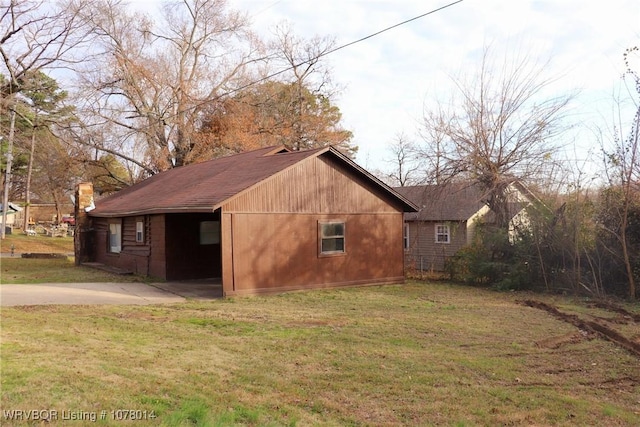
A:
[(447, 218), (12, 212)]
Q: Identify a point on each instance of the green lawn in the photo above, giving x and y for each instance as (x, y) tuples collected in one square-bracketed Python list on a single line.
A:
[(417, 354)]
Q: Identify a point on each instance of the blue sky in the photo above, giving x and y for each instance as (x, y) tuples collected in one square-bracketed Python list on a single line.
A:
[(387, 79)]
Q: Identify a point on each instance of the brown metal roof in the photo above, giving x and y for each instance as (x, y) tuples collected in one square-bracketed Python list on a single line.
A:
[(445, 202), (202, 187)]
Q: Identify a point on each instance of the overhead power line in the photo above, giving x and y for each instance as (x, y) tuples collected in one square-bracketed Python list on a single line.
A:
[(270, 76), (431, 12), (391, 27)]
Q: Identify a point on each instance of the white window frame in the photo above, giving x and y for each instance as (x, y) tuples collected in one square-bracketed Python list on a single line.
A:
[(140, 231), (115, 237), (442, 231), (325, 234), (406, 241)]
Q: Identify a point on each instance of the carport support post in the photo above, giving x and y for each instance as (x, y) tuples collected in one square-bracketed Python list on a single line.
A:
[(82, 236)]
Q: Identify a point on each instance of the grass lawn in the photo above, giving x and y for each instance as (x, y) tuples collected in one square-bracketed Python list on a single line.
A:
[(40, 243), (414, 354), (64, 270), (17, 270)]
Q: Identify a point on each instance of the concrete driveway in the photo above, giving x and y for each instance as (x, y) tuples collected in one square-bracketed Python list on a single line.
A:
[(107, 293)]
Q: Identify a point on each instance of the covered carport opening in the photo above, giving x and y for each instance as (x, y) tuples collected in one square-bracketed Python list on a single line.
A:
[(192, 246)]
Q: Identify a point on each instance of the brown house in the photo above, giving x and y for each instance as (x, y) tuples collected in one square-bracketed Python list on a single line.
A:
[(447, 218), (268, 220)]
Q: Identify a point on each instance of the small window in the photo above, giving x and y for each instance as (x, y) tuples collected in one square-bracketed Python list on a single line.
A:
[(115, 237), (442, 233), (209, 232), (332, 237), (407, 243), (139, 231)]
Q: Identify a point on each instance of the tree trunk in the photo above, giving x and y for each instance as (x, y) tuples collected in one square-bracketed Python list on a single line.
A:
[(627, 202), (627, 262), (7, 181), (27, 194)]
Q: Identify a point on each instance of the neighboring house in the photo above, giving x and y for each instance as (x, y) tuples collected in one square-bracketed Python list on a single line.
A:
[(44, 212), (12, 212), (447, 217), (268, 220)]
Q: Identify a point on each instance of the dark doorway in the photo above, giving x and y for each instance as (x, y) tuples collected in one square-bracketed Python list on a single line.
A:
[(193, 246)]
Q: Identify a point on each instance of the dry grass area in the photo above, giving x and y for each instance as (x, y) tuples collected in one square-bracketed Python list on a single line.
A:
[(40, 243), (418, 354), (17, 270), (61, 270)]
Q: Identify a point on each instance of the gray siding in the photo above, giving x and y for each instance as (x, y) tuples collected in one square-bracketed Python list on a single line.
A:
[(424, 253)]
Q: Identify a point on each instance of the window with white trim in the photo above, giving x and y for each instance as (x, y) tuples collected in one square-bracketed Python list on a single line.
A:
[(443, 233), (140, 231), (115, 237), (331, 237), (405, 237)]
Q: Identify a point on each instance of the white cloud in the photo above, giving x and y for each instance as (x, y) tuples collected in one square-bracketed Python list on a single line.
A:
[(388, 77)]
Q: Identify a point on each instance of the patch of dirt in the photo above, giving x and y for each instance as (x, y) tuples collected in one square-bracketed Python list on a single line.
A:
[(43, 255), (616, 309), (570, 338), (587, 327)]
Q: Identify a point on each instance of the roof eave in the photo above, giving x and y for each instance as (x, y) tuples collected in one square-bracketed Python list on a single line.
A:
[(152, 211)]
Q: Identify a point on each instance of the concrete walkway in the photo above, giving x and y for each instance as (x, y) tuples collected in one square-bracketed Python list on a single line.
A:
[(107, 293)]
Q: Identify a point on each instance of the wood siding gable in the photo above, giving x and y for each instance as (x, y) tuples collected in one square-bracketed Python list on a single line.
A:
[(315, 185)]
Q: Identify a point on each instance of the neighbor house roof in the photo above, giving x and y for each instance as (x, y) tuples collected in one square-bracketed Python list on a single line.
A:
[(203, 187), (456, 201), (12, 208)]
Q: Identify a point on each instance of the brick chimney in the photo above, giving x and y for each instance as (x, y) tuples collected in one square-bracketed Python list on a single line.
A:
[(84, 234)]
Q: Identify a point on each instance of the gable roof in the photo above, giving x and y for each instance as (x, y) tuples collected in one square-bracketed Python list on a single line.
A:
[(203, 187), (455, 201)]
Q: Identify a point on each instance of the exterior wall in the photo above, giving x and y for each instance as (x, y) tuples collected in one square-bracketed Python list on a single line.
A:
[(472, 223), (11, 218), (313, 186), (424, 253), (134, 256), (171, 249), (287, 254), (270, 233)]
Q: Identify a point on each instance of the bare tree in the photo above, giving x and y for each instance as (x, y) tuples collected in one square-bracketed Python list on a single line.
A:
[(309, 78), (291, 104), (434, 134), (623, 169), (498, 125), (34, 35), (156, 77), (405, 161)]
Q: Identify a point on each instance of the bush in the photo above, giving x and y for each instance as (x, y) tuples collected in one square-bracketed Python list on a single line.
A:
[(492, 261)]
